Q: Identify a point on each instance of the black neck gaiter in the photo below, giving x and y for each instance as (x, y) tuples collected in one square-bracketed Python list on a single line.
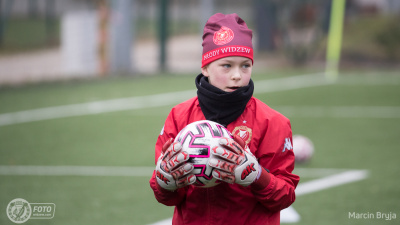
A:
[(220, 106)]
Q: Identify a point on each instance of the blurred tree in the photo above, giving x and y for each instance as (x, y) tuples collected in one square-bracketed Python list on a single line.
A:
[(388, 38), (32, 8), (50, 21), (1, 22), (207, 9), (163, 33), (121, 35), (303, 25), (4, 14), (266, 24)]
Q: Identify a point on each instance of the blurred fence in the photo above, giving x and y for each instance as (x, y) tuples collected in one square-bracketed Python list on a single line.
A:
[(289, 33)]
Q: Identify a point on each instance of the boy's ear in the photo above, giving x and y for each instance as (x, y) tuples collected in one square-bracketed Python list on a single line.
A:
[(204, 71)]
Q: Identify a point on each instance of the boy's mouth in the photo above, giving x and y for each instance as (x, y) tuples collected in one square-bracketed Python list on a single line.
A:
[(233, 88)]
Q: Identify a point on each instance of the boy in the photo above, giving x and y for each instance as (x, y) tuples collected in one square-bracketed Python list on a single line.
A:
[(225, 95)]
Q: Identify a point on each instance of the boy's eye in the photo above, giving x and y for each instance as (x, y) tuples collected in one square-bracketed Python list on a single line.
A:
[(246, 66), (226, 65)]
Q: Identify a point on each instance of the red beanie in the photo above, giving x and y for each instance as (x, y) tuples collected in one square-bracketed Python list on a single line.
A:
[(226, 35)]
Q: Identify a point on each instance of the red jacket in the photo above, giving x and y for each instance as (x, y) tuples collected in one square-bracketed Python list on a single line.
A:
[(269, 136)]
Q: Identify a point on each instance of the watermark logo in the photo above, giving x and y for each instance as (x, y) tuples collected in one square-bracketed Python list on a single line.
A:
[(19, 210), (373, 216)]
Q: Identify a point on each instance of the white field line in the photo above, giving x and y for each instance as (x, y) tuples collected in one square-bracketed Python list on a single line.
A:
[(129, 171), (331, 181), (76, 171), (291, 83), (94, 107), (142, 102), (317, 172), (369, 80), (163, 222), (380, 112)]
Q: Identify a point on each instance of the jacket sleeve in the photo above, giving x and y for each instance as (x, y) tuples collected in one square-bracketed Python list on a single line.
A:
[(275, 153), (163, 196), (168, 198)]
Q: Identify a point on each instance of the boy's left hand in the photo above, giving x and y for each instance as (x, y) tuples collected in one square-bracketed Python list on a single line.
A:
[(233, 162)]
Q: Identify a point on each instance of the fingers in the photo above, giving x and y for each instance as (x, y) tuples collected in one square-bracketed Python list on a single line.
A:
[(174, 157), (224, 176), (172, 149), (227, 154), (222, 165), (231, 145), (182, 171), (172, 171), (186, 181), (226, 158), (239, 140), (166, 145)]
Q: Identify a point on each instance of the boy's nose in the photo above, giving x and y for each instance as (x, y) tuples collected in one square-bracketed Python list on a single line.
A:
[(236, 75)]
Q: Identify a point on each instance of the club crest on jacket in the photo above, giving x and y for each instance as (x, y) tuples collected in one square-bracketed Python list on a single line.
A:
[(244, 132)]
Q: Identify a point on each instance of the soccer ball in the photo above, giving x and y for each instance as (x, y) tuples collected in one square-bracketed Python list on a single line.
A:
[(303, 148), (197, 139)]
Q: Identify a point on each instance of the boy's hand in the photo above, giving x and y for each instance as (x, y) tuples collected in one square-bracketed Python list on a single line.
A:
[(234, 163), (173, 170)]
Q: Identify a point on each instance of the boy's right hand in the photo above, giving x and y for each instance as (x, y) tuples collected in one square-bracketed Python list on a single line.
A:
[(173, 170)]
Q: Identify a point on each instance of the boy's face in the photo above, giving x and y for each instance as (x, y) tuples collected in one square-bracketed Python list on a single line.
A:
[(229, 73)]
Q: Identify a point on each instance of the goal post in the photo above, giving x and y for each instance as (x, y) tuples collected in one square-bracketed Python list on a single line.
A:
[(334, 44)]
